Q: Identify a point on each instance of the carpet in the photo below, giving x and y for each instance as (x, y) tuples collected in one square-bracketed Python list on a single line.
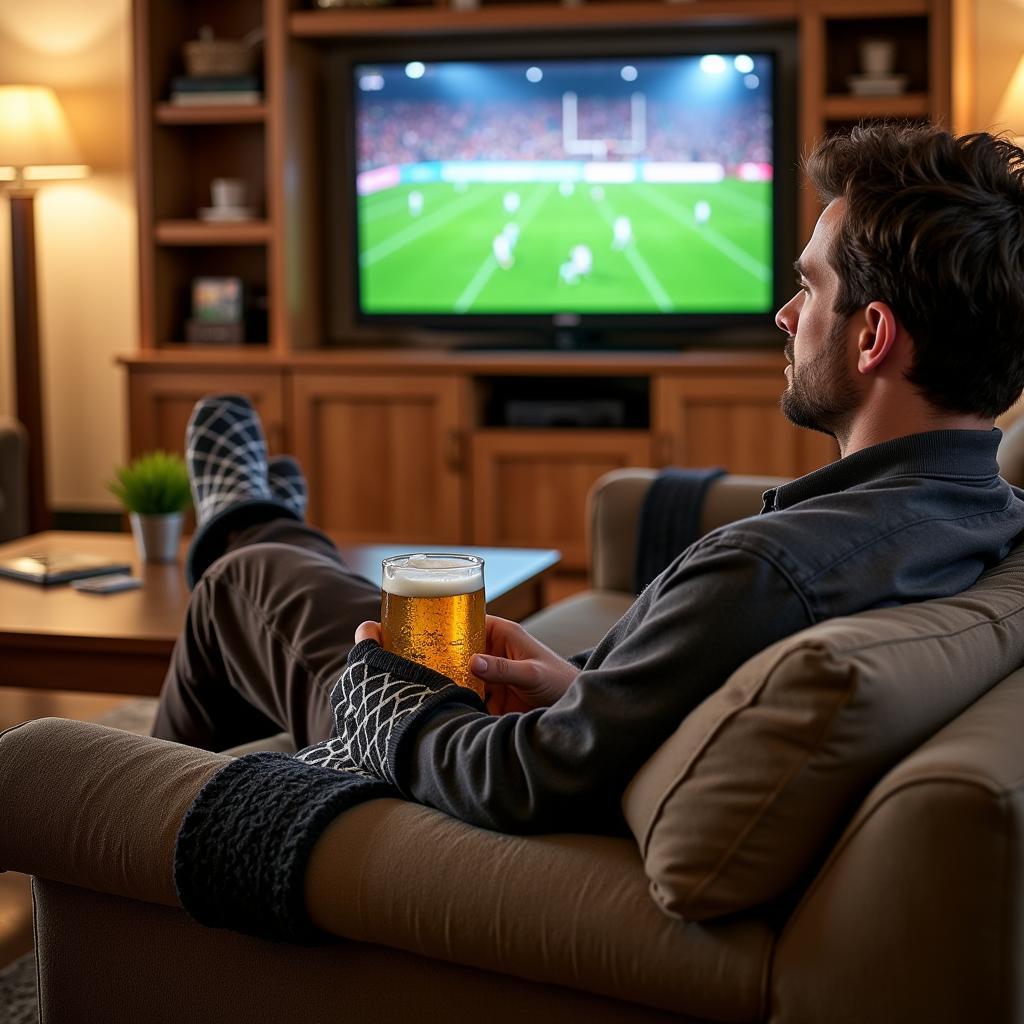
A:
[(18, 979), (18, 992)]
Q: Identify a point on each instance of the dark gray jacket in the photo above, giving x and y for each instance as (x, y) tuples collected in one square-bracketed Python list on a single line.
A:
[(910, 519)]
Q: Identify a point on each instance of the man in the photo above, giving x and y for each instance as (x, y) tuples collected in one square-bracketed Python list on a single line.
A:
[(905, 340)]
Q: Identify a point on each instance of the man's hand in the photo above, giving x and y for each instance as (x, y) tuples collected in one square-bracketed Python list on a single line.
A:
[(368, 631), (518, 671)]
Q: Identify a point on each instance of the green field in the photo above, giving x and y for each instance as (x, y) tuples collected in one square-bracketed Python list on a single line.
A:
[(441, 261)]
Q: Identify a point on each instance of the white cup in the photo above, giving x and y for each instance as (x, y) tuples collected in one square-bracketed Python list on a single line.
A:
[(228, 192), (877, 56)]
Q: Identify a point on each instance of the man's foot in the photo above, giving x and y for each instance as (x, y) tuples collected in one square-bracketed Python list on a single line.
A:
[(226, 455), (287, 484), (227, 465)]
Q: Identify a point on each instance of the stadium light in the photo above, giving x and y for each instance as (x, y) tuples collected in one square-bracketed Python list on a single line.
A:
[(712, 64), (751, 81), (743, 64), (629, 73), (415, 69), (534, 74)]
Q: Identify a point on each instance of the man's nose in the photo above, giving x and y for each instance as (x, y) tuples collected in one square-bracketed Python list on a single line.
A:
[(786, 317)]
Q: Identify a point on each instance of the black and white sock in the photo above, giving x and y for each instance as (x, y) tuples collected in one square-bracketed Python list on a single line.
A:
[(226, 455), (287, 484)]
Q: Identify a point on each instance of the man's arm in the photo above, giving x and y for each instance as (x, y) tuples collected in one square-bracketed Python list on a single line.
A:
[(565, 767)]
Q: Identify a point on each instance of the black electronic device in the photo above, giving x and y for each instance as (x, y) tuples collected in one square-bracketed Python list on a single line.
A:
[(565, 193)]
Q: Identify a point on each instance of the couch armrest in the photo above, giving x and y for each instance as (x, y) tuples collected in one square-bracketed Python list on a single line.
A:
[(613, 516), (13, 479), (570, 910), (916, 914), (96, 807)]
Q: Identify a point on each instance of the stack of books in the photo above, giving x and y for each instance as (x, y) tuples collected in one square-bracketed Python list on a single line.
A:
[(214, 90)]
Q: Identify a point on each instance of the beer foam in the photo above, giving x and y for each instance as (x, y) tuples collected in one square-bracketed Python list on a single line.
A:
[(426, 576)]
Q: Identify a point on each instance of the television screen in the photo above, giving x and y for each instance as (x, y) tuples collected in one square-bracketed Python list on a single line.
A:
[(589, 186)]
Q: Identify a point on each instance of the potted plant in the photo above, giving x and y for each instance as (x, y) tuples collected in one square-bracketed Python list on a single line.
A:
[(154, 490)]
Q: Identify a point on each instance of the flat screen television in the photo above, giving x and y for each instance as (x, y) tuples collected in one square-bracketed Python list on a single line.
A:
[(575, 198)]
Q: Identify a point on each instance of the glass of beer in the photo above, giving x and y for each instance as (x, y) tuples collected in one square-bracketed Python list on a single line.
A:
[(432, 612)]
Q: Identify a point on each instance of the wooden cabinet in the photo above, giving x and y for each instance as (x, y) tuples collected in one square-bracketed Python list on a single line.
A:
[(733, 422), (530, 486), (385, 456), (160, 402)]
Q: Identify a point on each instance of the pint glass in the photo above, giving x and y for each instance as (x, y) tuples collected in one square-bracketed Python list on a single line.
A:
[(432, 612)]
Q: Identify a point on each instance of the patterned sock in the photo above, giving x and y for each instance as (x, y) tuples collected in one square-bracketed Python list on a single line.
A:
[(226, 455), (287, 484)]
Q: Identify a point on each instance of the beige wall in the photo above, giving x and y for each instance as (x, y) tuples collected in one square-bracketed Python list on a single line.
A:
[(998, 46), (85, 239)]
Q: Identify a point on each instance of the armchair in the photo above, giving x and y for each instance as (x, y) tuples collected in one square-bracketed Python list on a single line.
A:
[(908, 909)]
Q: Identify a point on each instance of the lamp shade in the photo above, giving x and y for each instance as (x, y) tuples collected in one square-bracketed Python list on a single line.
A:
[(1010, 111), (34, 130)]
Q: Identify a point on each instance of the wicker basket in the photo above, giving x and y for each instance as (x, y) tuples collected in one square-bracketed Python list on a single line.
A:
[(209, 56)]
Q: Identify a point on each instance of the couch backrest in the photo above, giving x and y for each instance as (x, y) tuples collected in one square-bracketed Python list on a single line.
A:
[(613, 514), (744, 797)]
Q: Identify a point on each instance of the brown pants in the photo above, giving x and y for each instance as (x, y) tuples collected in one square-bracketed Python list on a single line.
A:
[(268, 629)]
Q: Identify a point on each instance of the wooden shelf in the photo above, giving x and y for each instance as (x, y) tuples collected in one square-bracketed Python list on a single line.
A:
[(408, 21), (225, 113), (416, 362), (853, 108), (197, 232), (872, 8)]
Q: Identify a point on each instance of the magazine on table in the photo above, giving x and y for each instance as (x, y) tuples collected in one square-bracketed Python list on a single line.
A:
[(47, 567)]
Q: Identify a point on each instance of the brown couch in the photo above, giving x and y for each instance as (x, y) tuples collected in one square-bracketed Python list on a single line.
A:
[(832, 837)]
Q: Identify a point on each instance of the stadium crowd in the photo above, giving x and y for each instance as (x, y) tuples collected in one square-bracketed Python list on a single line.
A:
[(404, 132)]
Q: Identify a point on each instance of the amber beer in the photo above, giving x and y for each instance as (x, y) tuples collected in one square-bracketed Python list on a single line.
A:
[(432, 612)]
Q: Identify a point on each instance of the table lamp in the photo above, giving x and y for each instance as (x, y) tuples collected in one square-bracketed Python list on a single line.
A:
[(1010, 111), (35, 146)]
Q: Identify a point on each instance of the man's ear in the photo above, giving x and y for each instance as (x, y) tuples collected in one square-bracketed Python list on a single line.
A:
[(877, 335)]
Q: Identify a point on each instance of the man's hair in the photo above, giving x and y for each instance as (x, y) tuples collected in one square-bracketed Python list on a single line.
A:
[(934, 227)]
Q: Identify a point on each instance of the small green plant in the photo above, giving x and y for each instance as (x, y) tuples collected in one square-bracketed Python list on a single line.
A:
[(155, 484)]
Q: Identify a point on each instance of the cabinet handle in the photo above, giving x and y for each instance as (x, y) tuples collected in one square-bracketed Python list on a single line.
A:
[(455, 451)]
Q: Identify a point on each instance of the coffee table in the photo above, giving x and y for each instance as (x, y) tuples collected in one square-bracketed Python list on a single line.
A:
[(55, 638)]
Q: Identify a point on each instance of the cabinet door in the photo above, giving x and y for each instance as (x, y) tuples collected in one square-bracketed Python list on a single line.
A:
[(734, 422), (160, 403), (530, 486), (384, 456)]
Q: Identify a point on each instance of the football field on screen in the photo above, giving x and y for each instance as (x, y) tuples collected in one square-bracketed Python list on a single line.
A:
[(694, 248)]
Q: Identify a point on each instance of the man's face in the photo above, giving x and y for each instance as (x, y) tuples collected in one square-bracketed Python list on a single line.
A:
[(821, 392)]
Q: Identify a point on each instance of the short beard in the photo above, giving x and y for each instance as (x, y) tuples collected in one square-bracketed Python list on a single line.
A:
[(820, 394)]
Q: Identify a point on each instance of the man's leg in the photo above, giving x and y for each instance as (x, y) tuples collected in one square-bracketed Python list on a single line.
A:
[(267, 633), (274, 607)]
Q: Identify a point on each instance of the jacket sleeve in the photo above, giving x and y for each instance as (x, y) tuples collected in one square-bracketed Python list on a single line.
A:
[(565, 767)]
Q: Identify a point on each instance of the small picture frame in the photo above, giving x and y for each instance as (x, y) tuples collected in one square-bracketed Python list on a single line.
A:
[(217, 300)]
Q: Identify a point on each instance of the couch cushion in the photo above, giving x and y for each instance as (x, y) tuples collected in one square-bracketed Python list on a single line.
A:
[(744, 797), (576, 624)]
